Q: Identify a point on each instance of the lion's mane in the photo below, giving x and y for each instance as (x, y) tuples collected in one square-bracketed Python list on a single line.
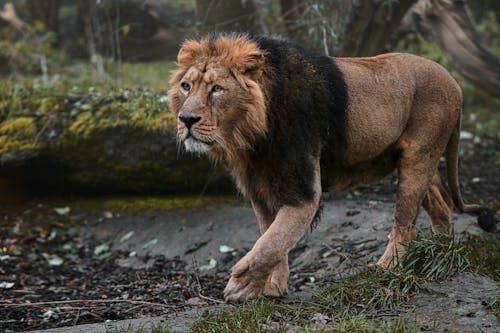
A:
[(296, 110)]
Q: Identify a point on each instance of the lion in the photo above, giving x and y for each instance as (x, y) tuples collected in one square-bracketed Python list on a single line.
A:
[(290, 124)]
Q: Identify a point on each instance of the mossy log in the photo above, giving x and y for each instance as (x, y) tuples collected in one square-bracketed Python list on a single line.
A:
[(118, 141)]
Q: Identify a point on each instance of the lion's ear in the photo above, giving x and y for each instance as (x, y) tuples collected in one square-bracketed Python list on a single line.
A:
[(252, 64), (188, 53)]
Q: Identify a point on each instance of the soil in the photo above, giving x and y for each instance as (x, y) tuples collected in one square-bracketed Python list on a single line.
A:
[(65, 267)]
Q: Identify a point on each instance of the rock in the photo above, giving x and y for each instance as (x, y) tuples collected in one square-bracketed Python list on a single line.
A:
[(115, 141)]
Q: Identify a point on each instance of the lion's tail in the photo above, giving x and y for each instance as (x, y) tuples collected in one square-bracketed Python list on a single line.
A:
[(451, 155)]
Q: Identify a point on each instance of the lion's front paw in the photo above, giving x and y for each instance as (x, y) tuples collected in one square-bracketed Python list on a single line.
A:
[(244, 288), (245, 283), (276, 284), (394, 252)]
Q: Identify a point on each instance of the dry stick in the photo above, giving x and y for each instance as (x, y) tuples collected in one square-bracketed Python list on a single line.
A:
[(77, 317), (195, 264), (86, 301)]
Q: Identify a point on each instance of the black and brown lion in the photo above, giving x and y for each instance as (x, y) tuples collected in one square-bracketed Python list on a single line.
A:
[(290, 124)]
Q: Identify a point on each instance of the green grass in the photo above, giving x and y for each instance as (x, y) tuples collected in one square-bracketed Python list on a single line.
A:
[(133, 204), (153, 76), (356, 302), (435, 257)]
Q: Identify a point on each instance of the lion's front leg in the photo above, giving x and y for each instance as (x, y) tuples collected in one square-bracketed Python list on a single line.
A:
[(250, 274), (264, 270), (276, 284)]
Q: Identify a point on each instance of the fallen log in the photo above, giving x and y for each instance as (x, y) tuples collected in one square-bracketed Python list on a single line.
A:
[(118, 141)]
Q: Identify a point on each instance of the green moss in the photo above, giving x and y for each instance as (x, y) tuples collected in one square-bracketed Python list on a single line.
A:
[(18, 135), (141, 204), (83, 125), (100, 138), (47, 104), (20, 128)]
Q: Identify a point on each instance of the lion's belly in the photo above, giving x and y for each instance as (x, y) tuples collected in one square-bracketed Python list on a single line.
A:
[(341, 178), (380, 100)]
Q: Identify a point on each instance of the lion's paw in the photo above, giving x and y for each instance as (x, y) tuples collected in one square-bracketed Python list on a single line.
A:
[(245, 283), (276, 284), (244, 288), (274, 288), (392, 255)]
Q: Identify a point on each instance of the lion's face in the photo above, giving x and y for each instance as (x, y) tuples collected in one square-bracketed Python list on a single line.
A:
[(209, 96), (217, 98)]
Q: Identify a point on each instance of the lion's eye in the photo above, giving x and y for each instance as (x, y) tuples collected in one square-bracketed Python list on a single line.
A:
[(216, 89), (186, 86)]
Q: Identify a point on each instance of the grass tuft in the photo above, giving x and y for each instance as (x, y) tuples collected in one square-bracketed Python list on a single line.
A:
[(249, 318), (435, 257)]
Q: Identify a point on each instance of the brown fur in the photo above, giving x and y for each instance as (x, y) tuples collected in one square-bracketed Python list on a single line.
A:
[(403, 112)]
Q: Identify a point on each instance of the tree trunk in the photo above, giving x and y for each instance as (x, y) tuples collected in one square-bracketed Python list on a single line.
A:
[(365, 27), (448, 24), (45, 11), (227, 15)]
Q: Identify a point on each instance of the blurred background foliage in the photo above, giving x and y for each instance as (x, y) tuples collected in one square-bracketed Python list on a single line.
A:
[(62, 61), (130, 43)]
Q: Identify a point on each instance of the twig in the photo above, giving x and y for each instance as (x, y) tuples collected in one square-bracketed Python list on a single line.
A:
[(86, 301), (210, 298), (77, 317), (195, 264)]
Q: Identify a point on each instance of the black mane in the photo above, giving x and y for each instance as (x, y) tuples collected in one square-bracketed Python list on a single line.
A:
[(306, 101)]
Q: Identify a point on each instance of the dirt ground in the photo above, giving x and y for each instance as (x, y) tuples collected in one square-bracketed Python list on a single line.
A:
[(64, 264)]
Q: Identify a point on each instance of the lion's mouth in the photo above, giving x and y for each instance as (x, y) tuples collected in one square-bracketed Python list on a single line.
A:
[(195, 146), (190, 135)]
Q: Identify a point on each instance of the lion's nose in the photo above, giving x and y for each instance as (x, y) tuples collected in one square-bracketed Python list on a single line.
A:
[(189, 120)]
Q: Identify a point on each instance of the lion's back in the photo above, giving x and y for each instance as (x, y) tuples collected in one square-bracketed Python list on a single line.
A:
[(383, 92)]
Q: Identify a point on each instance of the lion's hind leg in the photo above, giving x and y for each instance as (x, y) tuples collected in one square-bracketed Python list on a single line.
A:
[(416, 169), (439, 206)]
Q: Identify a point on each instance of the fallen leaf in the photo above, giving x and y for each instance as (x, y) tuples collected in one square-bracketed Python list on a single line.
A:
[(211, 265), (101, 248), (270, 325), (6, 285), (103, 256), (62, 210), (321, 318), (126, 236), (49, 314), (225, 249), (54, 260), (150, 243), (196, 301)]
